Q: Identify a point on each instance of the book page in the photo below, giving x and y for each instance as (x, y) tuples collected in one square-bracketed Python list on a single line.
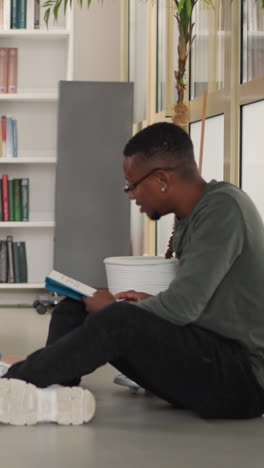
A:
[(72, 283)]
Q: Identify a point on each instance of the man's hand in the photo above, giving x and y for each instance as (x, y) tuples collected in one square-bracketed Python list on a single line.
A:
[(132, 295), (98, 301)]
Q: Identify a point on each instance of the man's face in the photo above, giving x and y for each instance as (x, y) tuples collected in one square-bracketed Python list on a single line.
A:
[(148, 193)]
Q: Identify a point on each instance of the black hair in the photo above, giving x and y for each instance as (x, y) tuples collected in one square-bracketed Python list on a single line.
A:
[(163, 142)]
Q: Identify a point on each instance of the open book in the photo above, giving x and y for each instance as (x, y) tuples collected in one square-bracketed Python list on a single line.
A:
[(67, 286)]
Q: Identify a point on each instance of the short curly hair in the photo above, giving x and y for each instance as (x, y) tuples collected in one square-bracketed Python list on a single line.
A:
[(163, 142)]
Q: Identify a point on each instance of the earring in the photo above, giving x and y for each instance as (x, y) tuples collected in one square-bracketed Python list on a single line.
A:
[(163, 189)]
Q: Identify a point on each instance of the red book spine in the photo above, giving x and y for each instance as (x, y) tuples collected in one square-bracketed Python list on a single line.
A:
[(5, 193)]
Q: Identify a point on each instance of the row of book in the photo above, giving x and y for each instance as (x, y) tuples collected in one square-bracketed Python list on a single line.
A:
[(8, 137), (13, 261), (14, 199), (19, 14), (8, 69)]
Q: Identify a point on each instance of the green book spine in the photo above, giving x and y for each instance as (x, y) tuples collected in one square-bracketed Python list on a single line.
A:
[(22, 254), (25, 199), (17, 199), (22, 14), (16, 263), (11, 199)]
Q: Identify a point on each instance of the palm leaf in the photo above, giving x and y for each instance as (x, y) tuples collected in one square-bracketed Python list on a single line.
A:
[(55, 5)]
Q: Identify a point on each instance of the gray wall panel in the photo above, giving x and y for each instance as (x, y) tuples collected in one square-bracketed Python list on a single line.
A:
[(92, 214)]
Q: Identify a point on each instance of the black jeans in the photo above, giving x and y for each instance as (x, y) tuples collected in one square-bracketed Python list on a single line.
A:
[(187, 366)]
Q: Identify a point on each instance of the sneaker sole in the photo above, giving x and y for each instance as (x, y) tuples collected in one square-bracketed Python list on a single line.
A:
[(20, 404)]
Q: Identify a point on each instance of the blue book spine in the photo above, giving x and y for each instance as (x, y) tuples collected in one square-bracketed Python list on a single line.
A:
[(22, 14), (14, 14), (14, 137), (9, 137)]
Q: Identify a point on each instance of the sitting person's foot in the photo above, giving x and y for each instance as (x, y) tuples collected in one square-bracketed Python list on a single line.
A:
[(23, 404), (4, 366), (121, 379)]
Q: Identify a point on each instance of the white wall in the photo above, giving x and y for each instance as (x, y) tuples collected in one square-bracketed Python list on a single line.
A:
[(97, 41), (213, 156), (252, 153)]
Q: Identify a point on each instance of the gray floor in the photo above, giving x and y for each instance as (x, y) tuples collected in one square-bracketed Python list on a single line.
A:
[(128, 431)]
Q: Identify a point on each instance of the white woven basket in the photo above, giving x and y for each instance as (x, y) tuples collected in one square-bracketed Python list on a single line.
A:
[(144, 274)]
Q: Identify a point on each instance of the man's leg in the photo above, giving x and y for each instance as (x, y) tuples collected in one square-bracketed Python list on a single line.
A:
[(66, 316), (203, 371)]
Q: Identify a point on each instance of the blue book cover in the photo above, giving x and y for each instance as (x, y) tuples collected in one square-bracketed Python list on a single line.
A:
[(66, 286)]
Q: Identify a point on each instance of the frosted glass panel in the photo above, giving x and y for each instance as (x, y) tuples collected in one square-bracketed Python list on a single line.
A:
[(161, 56), (213, 157), (252, 153), (207, 56), (176, 55), (137, 71), (253, 40)]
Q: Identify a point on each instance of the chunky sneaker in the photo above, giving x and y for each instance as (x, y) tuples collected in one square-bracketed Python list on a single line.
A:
[(23, 404), (3, 368)]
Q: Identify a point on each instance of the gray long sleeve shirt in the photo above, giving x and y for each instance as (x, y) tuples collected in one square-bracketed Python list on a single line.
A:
[(220, 281)]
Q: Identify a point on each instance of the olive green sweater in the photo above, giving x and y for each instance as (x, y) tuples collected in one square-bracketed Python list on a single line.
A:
[(220, 281)]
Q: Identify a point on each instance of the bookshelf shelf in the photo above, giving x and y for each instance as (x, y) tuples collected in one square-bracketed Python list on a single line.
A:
[(27, 224), (36, 34), (22, 285), (30, 96), (28, 160)]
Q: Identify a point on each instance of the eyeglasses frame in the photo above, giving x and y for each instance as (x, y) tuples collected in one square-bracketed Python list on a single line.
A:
[(130, 187)]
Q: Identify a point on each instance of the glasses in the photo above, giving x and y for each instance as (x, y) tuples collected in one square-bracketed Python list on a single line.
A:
[(129, 187)]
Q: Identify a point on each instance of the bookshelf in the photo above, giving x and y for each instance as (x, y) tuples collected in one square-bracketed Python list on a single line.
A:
[(28, 160), (44, 58), (27, 224), (30, 96)]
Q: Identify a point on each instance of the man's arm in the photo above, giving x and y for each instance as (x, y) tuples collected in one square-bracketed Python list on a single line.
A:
[(215, 243)]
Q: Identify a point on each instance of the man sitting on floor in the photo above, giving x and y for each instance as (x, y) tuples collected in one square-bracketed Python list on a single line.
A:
[(199, 344)]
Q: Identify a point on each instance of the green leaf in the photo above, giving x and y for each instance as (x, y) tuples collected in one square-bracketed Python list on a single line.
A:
[(181, 5), (46, 16)]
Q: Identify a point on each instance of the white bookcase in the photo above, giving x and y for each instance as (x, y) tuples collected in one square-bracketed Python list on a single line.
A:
[(44, 58)]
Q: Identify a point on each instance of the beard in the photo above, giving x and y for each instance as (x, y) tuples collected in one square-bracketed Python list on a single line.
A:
[(155, 216)]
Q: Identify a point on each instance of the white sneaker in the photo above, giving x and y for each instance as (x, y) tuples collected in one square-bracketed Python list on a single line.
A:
[(23, 404), (3, 368)]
